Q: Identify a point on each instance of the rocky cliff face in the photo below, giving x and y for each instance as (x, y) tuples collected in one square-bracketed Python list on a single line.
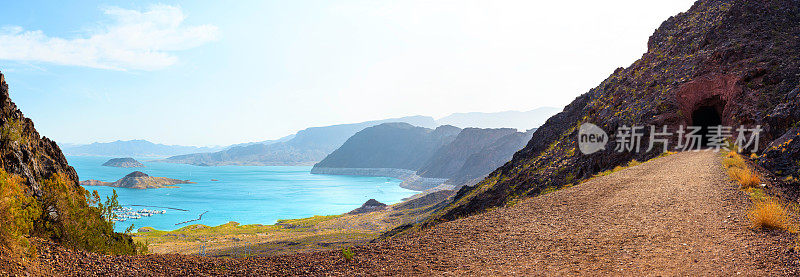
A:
[(736, 60), (490, 157), (448, 160), (26, 153), (59, 209)]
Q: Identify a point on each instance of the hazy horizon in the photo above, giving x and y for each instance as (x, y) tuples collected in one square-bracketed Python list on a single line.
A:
[(203, 74), (293, 132)]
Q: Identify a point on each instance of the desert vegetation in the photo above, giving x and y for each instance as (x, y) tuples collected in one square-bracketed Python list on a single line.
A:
[(771, 213), (739, 171), (767, 212), (18, 213), (12, 130), (331, 232), (83, 221)]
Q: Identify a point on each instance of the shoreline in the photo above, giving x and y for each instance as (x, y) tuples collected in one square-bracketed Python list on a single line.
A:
[(410, 179)]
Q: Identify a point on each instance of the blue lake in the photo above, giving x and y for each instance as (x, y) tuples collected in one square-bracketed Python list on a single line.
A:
[(245, 194)]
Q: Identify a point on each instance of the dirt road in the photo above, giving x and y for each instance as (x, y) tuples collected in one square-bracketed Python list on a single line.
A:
[(676, 215)]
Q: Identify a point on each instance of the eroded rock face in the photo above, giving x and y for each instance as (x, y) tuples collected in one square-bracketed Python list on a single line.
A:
[(66, 215), (26, 154), (713, 90), (782, 155), (738, 57)]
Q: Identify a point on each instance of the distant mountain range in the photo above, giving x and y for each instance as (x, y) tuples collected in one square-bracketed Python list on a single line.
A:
[(286, 138), (422, 157), (305, 148), (131, 148), (509, 119)]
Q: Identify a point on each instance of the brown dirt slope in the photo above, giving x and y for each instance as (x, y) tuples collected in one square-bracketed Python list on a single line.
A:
[(675, 215)]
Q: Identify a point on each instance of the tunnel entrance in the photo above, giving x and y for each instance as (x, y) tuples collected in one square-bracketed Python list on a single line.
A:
[(705, 117)]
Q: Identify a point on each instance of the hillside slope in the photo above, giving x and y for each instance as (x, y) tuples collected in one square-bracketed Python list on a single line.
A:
[(490, 157), (733, 60), (448, 160), (423, 158), (390, 145), (677, 215)]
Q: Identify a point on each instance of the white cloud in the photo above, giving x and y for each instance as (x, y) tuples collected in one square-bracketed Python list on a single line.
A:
[(141, 40)]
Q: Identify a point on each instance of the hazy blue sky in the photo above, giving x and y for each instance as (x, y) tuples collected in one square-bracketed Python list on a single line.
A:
[(222, 72)]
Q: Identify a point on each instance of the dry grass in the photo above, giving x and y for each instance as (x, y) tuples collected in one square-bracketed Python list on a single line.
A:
[(631, 163), (747, 178), (768, 212), (771, 213), (734, 160), (740, 172)]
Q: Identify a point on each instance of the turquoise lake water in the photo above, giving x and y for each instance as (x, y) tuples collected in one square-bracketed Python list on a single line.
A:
[(245, 194)]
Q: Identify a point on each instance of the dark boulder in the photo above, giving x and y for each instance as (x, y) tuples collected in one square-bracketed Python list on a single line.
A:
[(368, 207)]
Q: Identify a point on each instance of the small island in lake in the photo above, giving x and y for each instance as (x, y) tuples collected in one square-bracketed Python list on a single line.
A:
[(123, 162), (139, 180)]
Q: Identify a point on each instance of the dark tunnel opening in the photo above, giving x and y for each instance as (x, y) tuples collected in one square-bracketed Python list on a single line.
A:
[(705, 117)]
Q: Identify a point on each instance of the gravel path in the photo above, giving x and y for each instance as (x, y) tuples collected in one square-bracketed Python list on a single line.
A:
[(677, 215)]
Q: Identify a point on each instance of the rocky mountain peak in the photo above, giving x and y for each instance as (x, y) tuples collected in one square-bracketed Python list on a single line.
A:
[(136, 174)]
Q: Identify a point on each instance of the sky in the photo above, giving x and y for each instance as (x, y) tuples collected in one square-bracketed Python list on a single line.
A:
[(223, 72)]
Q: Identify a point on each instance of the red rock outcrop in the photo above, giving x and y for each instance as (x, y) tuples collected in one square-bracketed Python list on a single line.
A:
[(713, 90)]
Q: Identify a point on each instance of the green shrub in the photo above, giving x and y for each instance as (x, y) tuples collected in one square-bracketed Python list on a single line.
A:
[(81, 225), (347, 254), (12, 131), (18, 213)]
